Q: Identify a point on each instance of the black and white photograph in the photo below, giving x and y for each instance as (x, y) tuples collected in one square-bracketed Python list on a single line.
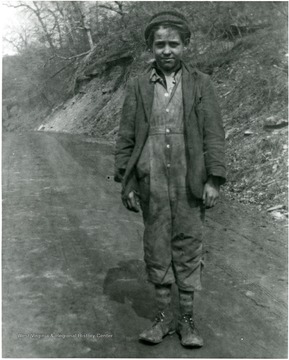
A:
[(145, 179)]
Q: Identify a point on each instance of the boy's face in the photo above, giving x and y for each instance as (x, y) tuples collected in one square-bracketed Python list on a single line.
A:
[(168, 49)]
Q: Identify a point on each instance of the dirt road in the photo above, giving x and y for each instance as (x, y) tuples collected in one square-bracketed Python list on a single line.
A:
[(73, 275)]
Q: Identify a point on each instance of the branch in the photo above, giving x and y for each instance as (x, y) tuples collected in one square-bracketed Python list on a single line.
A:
[(111, 9), (72, 57), (21, 5), (59, 71), (120, 5), (12, 6), (17, 47)]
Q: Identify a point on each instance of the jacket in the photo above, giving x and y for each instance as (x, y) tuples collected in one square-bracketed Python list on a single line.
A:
[(203, 130)]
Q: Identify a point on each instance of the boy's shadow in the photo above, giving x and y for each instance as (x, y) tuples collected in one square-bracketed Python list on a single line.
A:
[(128, 282)]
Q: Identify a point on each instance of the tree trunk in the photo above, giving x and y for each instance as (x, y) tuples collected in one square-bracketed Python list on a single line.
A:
[(84, 23), (37, 12), (57, 26), (68, 29)]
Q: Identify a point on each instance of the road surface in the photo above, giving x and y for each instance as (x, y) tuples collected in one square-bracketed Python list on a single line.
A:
[(73, 273)]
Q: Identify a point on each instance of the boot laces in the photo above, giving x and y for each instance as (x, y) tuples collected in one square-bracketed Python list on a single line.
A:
[(159, 318), (188, 319)]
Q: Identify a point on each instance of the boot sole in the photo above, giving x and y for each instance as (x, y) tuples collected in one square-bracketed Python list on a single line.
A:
[(192, 345), (189, 345), (171, 332)]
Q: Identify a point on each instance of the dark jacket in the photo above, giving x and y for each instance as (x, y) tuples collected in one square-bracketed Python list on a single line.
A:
[(203, 130)]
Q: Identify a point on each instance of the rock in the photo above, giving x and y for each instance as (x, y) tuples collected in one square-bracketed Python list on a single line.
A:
[(106, 91), (228, 133), (113, 131), (227, 93), (272, 123), (14, 110), (248, 133), (278, 216), (277, 207), (41, 127)]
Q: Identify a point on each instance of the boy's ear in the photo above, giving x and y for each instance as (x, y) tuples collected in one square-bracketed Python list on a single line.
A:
[(186, 42)]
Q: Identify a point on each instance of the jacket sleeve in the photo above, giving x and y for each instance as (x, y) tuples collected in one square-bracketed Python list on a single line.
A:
[(214, 134), (126, 135)]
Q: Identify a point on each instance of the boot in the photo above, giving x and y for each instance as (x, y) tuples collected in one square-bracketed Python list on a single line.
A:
[(188, 332), (162, 326)]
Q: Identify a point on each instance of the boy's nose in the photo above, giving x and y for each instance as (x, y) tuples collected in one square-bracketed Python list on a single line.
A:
[(167, 50)]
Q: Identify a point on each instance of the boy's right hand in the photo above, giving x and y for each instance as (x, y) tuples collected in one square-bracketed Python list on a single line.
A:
[(131, 203)]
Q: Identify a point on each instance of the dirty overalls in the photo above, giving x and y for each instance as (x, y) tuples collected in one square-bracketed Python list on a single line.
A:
[(173, 218)]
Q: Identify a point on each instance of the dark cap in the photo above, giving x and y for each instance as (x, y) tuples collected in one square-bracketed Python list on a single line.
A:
[(173, 18)]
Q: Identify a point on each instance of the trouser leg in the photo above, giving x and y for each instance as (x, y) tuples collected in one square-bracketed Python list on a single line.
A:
[(187, 233), (186, 302), (163, 297), (187, 251), (157, 236)]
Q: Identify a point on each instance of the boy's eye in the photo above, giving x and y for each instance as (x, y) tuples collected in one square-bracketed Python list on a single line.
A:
[(160, 45)]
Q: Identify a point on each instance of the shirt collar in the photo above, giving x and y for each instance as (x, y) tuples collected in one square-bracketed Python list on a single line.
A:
[(157, 74)]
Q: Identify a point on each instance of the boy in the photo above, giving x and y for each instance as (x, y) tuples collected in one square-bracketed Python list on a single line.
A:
[(170, 159)]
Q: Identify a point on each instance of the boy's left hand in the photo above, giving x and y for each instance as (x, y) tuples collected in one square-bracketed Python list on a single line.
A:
[(211, 192), (131, 202)]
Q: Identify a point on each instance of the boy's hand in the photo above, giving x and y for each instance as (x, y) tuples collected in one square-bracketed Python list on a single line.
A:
[(131, 203), (211, 192)]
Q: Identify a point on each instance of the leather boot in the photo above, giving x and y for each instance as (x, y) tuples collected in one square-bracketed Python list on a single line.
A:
[(162, 326), (188, 332)]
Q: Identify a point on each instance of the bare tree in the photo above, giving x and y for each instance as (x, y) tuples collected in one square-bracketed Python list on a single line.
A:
[(84, 23), (37, 10)]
